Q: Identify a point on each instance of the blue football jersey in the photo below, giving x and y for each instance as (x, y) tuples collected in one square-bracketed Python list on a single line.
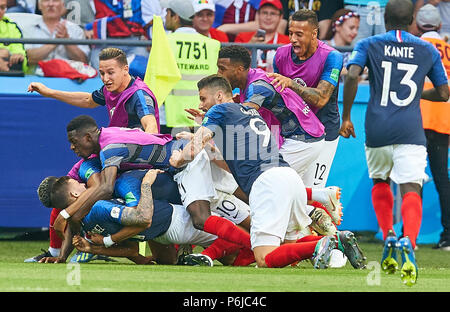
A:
[(398, 63), (245, 141), (88, 167), (105, 219), (128, 187)]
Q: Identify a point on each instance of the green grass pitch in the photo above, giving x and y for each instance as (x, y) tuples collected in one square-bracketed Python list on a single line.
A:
[(124, 276)]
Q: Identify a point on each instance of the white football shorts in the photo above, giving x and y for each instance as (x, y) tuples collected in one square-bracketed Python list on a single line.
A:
[(403, 163), (182, 231), (230, 207), (300, 155), (195, 181), (277, 207), (317, 173)]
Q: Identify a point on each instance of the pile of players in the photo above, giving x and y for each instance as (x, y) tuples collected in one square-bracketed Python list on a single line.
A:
[(249, 183)]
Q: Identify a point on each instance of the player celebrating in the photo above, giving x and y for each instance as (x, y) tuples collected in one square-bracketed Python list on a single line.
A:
[(277, 197), (398, 63), (318, 87)]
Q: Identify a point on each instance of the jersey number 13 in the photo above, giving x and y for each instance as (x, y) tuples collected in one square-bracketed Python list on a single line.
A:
[(409, 69)]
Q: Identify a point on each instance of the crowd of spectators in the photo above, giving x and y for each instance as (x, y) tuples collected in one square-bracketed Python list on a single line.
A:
[(341, 24)]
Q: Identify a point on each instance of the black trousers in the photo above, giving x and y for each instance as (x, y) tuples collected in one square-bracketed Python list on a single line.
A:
[(437, 148)]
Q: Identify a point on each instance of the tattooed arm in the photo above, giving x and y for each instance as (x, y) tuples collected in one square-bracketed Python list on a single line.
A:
[(135, 219), (317, 97)]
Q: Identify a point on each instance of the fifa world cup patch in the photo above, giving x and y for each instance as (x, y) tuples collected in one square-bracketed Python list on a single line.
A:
[(335, 74)]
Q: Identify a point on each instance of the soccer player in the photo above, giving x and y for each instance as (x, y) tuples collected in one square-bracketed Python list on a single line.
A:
[(398, 63), (145, 214), (118, 146), (129, 101), (301, 137), (277, 197), (84, 171), (318, 87)]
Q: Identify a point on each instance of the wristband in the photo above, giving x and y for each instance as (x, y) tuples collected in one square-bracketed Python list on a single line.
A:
[(64, 214), (107, 241)]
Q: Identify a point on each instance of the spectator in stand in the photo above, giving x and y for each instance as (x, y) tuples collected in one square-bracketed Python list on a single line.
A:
[(204, 18), (22, 6), (4, 60), (14, 52), (268, 18), (118, 19), (236, 16), (371, 16), (323, 8), (52, 25), (444, 11), (344, 29), (148, 10)]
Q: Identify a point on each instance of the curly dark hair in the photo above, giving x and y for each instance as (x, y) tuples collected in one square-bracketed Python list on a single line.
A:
[(236, 54), (44, 191)]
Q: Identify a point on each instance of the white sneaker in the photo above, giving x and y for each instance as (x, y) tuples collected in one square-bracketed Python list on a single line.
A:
[(332, 202), (322, 223)]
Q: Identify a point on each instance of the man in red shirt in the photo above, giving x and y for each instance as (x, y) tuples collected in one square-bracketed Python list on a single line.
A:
[(204, 18), (269, 17)]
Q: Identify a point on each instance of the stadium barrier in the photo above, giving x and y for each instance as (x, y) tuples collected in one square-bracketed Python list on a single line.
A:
[(32, 131)]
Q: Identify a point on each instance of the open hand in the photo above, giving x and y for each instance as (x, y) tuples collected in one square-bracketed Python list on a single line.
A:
[(150, 176), (280, 80), (81, 244)]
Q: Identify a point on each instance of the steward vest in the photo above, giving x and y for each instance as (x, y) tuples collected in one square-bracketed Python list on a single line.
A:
[(196, 56), (436, 115)]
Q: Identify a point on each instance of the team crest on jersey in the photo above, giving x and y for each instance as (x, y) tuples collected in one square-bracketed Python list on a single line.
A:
[(115, 212), (300, 81), (97, 229), (111, 111)]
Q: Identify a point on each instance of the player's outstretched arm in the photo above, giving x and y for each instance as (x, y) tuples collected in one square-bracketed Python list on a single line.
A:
[(80, 99), (201, 137), (437, 94), (350, 89)]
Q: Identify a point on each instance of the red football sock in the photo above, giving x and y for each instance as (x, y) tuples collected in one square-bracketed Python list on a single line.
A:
[(227, 230), (55, 240), (290, 253), (309, 238), (308, 193), (412, 216), (244, 257), (383, 203), (220, 248)]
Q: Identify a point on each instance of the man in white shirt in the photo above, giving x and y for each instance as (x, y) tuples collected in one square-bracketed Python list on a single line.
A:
[(51, 25)]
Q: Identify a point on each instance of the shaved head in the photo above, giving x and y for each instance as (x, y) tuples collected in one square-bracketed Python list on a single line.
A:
[(398, 14)]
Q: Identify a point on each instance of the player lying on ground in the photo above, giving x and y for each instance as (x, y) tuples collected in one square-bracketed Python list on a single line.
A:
[(111, 222), (127, 187), (117, 146)]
